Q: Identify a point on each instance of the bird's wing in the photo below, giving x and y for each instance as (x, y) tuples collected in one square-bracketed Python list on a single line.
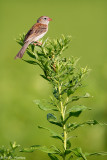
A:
[(36, 30)]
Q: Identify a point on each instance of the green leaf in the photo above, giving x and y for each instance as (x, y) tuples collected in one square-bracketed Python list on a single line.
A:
[(53, 134), (46, 78), (38, 147), (67, 151), (74, 126), (47, 39), (52, 119), (31, 62), (21, 40), (68, 144), (96, 154), (9, 153), (75, 111), (31, 54), (52, 157), (94, 122), (76, 98), (71, 157), (76, 108), (78, 152), (51, 116), (43, 106), (14, 145), (56, 93)]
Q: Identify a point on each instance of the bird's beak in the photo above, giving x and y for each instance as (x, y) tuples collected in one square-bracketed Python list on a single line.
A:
[(49, 19)]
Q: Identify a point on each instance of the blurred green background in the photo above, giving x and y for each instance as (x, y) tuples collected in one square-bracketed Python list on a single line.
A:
[(20, 83)]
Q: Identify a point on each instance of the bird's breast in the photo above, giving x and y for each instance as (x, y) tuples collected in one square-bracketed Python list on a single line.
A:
[(39, 37)]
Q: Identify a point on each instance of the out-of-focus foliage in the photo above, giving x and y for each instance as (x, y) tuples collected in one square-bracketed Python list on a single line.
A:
[(9, 153)]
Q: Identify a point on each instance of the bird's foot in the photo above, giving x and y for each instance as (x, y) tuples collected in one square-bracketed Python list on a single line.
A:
[(38, 43), (34, 44)]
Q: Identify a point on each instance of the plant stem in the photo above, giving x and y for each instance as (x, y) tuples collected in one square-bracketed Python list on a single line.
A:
[(63, 117), (64, 127)]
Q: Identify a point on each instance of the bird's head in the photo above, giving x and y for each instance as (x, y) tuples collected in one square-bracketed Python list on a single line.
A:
[(44, 20)]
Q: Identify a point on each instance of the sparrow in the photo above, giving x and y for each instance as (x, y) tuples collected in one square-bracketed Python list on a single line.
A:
[(37, 31)]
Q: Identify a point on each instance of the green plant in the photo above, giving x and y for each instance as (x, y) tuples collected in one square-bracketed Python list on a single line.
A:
[(65, 78), (10, 153)]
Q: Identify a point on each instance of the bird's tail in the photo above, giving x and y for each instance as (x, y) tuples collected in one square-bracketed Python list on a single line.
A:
[(22, 51)]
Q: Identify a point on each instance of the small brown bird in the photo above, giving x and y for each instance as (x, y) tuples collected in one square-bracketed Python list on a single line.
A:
[(37, 31)]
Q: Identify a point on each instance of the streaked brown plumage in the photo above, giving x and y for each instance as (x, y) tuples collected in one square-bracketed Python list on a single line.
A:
[(37, 31)]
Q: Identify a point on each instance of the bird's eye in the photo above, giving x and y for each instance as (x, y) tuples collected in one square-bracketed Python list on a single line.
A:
[(44, 18)]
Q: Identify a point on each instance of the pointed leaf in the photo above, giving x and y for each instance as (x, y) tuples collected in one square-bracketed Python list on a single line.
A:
[(45, 42), (52, 157), (43, 106), (76, 98), (96, 154), (14, 145), (56, 93), (31, 62), (71, 157), (53, 134), (38, 147), (75, 111), (94, 122), (46, 78), (76, 108), (67, 151), (50, 116), (56, 149), (78, 152), (52, 119), (31, 54), (74, 126), (68, 144)]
